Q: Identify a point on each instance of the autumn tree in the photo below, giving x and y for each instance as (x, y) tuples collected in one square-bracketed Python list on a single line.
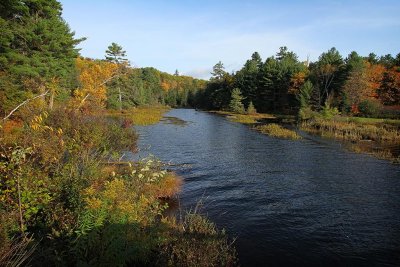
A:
[(389, 91), (93, 77)]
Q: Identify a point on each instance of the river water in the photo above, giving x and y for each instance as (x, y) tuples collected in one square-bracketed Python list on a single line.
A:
[(287, 203)]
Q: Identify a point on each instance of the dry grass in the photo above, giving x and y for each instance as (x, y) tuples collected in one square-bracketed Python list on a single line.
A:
[(353, 131), (245, 118), (167, 187), (141, 116), (276, 130)]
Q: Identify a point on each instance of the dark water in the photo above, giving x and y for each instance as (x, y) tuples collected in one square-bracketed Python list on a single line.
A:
[(296, 203)]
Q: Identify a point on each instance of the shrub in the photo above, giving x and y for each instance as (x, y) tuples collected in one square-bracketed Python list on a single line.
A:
[(370, 108), (328, 112), (251, 110)]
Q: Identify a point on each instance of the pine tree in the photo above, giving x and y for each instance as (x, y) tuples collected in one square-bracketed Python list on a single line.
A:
[(36, 48), (236, 104), (115, 54), (251, 109)]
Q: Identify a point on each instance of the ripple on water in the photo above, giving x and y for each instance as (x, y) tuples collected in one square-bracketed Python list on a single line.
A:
[(302, 203)]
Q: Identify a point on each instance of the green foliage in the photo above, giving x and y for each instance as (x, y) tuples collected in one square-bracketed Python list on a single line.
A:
[(35, 48), (114, 53), (236, 104), (251, 109), (369, 108), (305, 94), (328, 112), (306, 113)]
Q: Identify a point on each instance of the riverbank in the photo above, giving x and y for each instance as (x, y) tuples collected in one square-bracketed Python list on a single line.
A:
[(81, 205), (377, 137)]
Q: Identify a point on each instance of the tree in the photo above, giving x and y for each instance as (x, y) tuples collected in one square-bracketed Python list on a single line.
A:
[(218, 71), (327, 70), (236, 104), (93, 77), (304, 94), (36, 46), (247, 79), (389, 91), (251, 109), (115, 54)]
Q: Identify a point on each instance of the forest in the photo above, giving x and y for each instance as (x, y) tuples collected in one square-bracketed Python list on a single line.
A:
[(68, 198), (355, 85)]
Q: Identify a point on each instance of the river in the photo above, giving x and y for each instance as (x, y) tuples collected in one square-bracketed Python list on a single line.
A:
[(296, 203)]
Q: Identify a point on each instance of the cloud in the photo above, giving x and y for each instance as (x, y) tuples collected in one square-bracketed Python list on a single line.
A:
[(204, 73)]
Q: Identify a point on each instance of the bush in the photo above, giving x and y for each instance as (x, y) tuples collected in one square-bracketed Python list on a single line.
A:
[(328, 112), (251, 110), (370, 108), (306, 113)]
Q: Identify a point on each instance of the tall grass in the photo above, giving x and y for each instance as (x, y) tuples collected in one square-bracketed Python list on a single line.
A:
[(352, 131), (141, 116), (276, 130), (245, 118)]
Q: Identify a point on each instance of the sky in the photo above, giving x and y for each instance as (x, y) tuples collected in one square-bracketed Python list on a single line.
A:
[(192, 36)]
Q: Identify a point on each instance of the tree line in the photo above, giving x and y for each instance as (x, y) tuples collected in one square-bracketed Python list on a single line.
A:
[(282, 83)]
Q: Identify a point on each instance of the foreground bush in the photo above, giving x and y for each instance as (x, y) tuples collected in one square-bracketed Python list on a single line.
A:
[(61, 182)]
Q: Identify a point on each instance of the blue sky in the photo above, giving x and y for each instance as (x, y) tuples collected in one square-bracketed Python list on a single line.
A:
[(192, 36)]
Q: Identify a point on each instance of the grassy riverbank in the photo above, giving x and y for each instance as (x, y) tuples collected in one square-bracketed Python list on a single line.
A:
[(378, 137), (66, 199)]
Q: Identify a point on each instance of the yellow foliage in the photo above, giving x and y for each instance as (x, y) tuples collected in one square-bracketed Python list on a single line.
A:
[(93, 76)]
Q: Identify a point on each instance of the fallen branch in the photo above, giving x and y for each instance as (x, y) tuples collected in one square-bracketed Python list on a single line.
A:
[(23, 103)]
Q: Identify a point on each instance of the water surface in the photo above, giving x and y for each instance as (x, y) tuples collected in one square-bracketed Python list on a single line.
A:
[(302, 203)]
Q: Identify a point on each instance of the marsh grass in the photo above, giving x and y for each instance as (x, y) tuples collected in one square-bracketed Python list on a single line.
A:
[(141, 116), (196, 241), (245, 118), (353, 130), (276, 130)]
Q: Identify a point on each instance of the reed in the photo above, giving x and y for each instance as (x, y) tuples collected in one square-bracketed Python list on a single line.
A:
[(276, 130), (353, 131), (141, 116)]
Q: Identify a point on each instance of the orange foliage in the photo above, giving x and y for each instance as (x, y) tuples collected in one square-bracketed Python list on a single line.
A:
[(374, 75), (93, 76), (165, 86), (296, 82)]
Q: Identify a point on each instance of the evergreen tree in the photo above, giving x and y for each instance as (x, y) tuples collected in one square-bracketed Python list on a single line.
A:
[(115, 54), (36, 48), (251, 109), (236, 104), (305, 93), (218, 71)]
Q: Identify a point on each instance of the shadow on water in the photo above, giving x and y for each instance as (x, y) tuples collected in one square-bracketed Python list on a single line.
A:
[(305, 203)]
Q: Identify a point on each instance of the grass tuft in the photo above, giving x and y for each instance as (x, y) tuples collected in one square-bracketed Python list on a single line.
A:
[(276, 130), (141, 116)]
